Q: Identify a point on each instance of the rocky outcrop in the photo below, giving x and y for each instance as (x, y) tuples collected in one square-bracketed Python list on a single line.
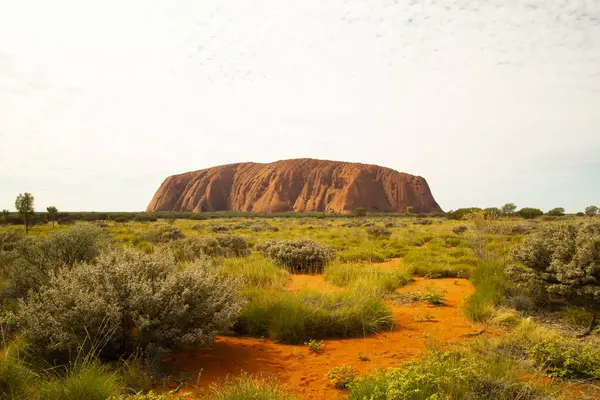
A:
[(294, 185)]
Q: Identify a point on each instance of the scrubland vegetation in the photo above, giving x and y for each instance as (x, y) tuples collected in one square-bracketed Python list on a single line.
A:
[(89, 309)]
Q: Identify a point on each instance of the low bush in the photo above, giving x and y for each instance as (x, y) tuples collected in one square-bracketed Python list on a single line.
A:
[(195, 247), (298, 255), (40, 258), (422, 222), (378, 232), (234, 246), (431, 296), (130, 302), (341, 377), (219, 228), (255, 271), (457, 375), (316, 346), (296, 317), (458, 229), (249, 387), (563, 359), (577, 316), (161, 234)]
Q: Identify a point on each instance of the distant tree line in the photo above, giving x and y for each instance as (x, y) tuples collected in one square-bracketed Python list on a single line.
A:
[(510, 210)]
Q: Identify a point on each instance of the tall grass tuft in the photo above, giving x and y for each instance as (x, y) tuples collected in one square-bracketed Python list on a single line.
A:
[(246, 387), (296, 317), (491, 283), (367, 278), (255, 271)]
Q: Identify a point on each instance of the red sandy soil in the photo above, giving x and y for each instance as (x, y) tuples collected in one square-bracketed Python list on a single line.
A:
[(304, 372)]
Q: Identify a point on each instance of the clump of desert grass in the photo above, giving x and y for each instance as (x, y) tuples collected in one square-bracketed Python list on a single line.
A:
[(246, 386), (367, 278), (297, 317), (255, 271)]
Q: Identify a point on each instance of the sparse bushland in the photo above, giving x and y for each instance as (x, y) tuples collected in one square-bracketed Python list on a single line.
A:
[(255, 271), (298, 255), (296, 317), (249, 387), (367, 278), (566, 359), (130, 302)]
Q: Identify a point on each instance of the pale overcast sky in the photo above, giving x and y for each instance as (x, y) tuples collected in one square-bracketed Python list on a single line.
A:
[(491, 101)]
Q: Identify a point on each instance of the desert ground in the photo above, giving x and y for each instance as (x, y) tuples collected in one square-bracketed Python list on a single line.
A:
[(304, 307)]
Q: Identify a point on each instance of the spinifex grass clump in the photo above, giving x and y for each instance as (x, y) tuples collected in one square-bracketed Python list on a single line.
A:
[(255, 271), (246, 387), (296, 317), (439, 261), (369, 278), (301, 255)]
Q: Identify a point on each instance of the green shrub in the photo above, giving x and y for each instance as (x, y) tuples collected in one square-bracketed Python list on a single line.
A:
[(40, 258), (234, 246), (456, 375), (248, 387), (560, 261), (422, 222), (296, 317), (145, 247), (562, 359), (10, 240), (530, 213), (129, 301), (458, 229), (161, 234), (255, 271), (378, 232), (219, 228), (316, 346), (341, 377), (298, 255), (577, 316), (431, 296)]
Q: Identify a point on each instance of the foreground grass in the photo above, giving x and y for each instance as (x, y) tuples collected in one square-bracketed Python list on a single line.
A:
[(296, 317), (248, 387), (457, 374)]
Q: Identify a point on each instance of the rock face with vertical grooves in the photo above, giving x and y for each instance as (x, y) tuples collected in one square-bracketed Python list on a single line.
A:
[(294, 185)]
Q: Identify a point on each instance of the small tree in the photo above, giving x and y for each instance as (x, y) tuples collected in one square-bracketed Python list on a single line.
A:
[(5, 215), (556, 212), (360, 212), (509, 209), (409, 209), (591, 211), (493, 212), (52, 211), (24, 205), (530, 213), (560, 261)]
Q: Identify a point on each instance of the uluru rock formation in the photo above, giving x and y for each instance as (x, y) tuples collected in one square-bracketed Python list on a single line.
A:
[(294, 185)]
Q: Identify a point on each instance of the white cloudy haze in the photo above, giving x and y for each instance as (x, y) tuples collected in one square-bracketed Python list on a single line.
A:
[(490, 101)]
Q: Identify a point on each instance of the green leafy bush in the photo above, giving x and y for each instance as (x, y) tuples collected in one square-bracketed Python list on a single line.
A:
[(296, 317), (316, 346), (378, 232), (562, 359), (234, 246), (129, 301), (195, 247), (422, 222), (456, 375), (161, 234), (458, 229), (341, 377), (298, 255), (39, 258), (560, 261), (530, 213)]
